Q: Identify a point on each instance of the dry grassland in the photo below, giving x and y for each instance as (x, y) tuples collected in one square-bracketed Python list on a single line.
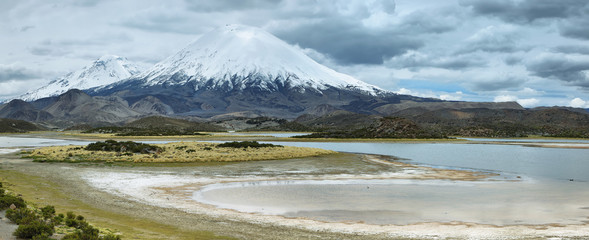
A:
[(176, 152)]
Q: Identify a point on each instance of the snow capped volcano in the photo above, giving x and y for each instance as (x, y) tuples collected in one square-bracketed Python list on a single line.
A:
[(106, 70), (236, 56)]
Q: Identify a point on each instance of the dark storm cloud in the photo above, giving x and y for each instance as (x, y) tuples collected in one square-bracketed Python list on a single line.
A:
[(562, 68), (497, 84), (572, 15), (415, 61), (491, 44), (576, 27), (8, 73), (348, 43), (424, 22), (230, 5), (348, 36), (526, 11), (574, 49)]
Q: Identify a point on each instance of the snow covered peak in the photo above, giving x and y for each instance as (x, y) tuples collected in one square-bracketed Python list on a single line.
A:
[(237, 51), (106, 70)]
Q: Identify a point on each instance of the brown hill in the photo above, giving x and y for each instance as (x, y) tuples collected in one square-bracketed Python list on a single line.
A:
[(17, 126)]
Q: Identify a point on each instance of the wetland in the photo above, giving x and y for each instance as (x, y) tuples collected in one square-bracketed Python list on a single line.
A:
[(370, 190)]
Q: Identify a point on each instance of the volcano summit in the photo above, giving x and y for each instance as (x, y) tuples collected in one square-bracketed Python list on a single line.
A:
[(239, 68)]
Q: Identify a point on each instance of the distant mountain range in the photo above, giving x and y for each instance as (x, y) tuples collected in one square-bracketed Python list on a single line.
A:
[(106, 70), (232, 71)]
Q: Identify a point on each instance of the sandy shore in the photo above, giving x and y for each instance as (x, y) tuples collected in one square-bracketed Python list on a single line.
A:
[(164, 195)]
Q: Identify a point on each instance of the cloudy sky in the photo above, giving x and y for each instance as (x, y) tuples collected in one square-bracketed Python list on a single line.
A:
[(535, 52)]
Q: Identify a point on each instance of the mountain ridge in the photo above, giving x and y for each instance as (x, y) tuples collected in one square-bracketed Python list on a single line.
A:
[(106, 70), (239, 69)]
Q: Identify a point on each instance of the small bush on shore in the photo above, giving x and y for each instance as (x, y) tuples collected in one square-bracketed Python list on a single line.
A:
[(129, 146), (6, 200), (21, 215), (247, 144), (35, 229), (40, 223)]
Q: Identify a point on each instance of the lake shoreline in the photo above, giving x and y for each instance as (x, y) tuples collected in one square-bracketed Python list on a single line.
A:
[(177, 193), (168, 201)]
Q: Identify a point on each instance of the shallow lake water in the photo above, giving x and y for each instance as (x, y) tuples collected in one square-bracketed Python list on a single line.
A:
[(550, 187), (11, 142)]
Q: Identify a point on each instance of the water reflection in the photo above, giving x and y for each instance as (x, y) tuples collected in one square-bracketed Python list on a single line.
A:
[(406, 201)]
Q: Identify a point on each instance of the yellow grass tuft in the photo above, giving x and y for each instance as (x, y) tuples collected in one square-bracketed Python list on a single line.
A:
[(177, 152)]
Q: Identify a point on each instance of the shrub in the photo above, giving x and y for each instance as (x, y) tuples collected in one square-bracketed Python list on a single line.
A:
[(246, 144), (33, 229), (128, 146), (58, 220), (21, 215), (6, 200), (71, 222), (110, 236), (84, 232), (48, 212), (43, 236)]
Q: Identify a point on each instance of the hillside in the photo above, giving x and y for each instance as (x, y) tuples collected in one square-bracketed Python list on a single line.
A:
[(16, 126), (474, 122), (174, 123)]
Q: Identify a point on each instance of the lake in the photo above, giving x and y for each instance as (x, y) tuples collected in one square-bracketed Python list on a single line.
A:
[(536, 185), (551, 187)]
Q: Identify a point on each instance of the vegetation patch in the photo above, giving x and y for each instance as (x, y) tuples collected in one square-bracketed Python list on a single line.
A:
[(41, 223), (387, 127), (134, 131), (112, 151), (128, 147), (247, 144)]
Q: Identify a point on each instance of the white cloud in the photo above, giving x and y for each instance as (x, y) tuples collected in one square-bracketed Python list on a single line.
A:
[(447, 96), (505, 98), (528, 102), (525, 102), (579, 103), (452, 96)]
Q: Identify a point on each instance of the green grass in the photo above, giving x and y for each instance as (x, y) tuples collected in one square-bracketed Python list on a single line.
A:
[(41, 192)]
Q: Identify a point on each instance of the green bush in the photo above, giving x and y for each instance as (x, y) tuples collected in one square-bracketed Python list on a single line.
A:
[(128, 146), (84, 232), (43, 236), (21, 215), (247, 144), (6, 200), (48, 212), (58, 220), (110, 236), (33, 229), (70, 222)]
